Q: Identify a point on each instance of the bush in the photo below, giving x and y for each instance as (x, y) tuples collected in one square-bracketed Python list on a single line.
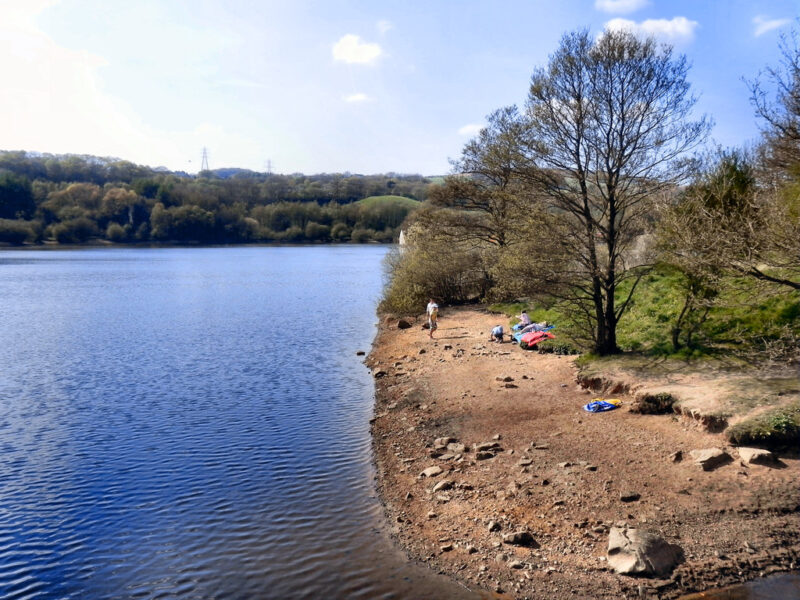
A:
[(775, 428), (74, 231), (116, 232), (654, 404), (16, 232), (432, 268)]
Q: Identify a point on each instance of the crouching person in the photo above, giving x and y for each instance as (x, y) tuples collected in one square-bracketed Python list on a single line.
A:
[(497, 334)]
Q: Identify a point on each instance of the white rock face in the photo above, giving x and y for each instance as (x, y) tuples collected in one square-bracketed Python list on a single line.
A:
[(640, 552)]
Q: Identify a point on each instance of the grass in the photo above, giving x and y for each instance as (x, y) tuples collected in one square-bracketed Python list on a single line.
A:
[(773, 429), (372, 201)]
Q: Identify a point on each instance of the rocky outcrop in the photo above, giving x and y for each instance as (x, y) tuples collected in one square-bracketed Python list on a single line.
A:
[(640, 552)]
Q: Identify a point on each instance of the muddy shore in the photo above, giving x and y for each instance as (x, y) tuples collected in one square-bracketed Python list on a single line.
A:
[(551, 469)]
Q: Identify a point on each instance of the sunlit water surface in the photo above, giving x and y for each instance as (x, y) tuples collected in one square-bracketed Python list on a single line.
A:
[(192, 423)]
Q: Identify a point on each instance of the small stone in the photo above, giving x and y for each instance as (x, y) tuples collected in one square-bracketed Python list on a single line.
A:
[(483, 446), (510, 385), (565, 465), (590, 468), (629, 496), (432, 515), (379, 374), (403, 324), (676, 456), (422, 351), (515, 564), (471, 549), (520, 538), (441, 442), (497, 437), (442, 486), (448, 347), (456, 448), (483, 455), (525, 462), (493, 526), (360, 353), (446, 547), (431, 472)]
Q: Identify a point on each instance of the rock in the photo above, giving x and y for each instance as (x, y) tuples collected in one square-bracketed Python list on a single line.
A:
[(441, 442), (497, 437), (525, 462), (471, 549), (541, 447), (360, 353), (510, 385), (448, 347), (640, 552), (456, 448), (403, 324), (676, 456), (515, 564), (710, 458), (379, 374), (565, 465), (483, 455), (431, 472), (629, 496), (520, 538), (432, 515), (443, 485), (446, 548), (757, 456), (483, 446), (590, 468), (493, 526), (422, 351)]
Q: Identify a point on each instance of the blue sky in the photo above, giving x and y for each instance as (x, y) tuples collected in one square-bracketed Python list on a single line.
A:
[(330, 85)]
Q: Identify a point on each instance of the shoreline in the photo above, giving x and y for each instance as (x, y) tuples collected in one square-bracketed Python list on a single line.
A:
[(555, 471)]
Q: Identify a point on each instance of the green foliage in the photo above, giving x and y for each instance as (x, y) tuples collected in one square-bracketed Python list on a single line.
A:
[(16, 197), (74, 231), (221, 206), (435, 268), (17, 232), (775, 428)]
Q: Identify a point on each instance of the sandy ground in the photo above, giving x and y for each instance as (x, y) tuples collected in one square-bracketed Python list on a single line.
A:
[(557, 472)]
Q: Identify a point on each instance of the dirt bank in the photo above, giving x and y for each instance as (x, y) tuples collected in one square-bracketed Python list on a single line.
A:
[(564, 475)]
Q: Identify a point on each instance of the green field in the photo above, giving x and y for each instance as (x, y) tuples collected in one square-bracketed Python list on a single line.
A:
[(409, 203)]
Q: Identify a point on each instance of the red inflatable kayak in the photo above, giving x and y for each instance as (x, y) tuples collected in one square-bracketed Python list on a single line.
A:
[(534, 337)]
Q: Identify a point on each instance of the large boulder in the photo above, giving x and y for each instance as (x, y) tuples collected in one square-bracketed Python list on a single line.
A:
[(640, 552), (710, 458)]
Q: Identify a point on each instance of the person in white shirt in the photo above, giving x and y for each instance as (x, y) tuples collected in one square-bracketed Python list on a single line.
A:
[(433, 317)]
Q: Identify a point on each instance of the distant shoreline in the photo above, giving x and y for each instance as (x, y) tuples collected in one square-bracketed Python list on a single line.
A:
[(107, 244)]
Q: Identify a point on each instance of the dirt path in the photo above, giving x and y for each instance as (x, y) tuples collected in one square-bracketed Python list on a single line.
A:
[(558, 472)]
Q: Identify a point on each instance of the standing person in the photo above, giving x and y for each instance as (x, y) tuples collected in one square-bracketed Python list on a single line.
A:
[(433, 317), (524, 320)]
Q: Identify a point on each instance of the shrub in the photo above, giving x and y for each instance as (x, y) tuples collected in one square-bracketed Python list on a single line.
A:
[(116, 232), (775, 428), (15, 232), (74, 231)]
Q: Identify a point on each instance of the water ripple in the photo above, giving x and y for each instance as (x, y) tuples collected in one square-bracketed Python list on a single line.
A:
[(190, 423)]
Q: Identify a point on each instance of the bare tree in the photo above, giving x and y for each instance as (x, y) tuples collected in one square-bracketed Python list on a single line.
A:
[(775, 95), (608, 124), (482, 201)]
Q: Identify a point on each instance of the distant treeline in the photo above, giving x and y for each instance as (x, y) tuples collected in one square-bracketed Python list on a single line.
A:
[(75, 199)]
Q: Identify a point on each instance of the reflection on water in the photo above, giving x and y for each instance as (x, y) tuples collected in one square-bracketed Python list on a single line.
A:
[(785, 586), (192, 423)]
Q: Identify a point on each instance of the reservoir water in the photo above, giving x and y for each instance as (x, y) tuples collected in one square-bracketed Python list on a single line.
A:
[(192, 423)]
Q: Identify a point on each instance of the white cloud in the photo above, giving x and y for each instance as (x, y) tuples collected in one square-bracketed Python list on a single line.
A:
[(384, 26), (356, 98), (622, 7), (763, 25), (470, 129), (351, 49), (675, 31)]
